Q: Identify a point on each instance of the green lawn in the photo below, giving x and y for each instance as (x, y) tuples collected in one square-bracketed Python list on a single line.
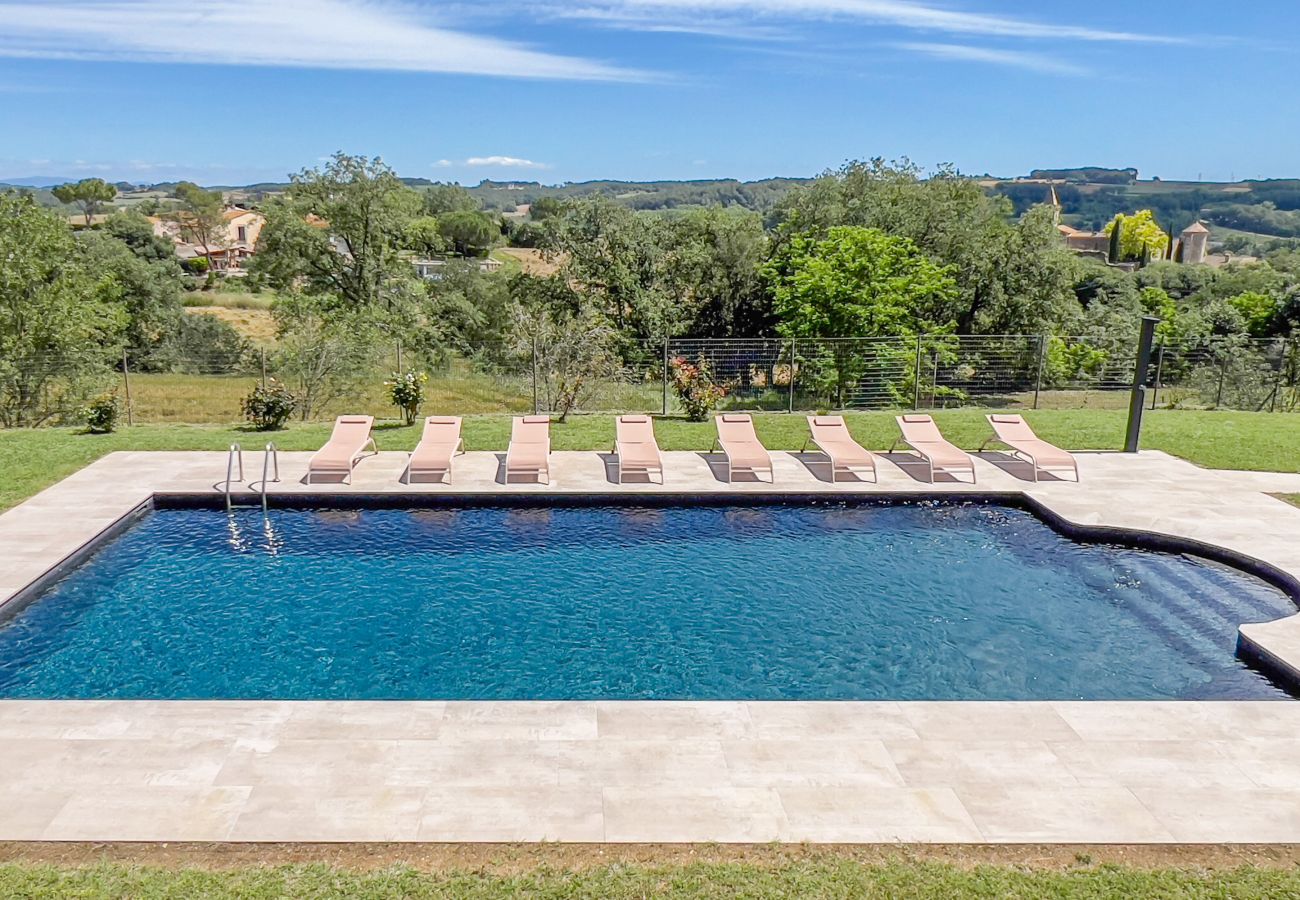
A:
[(825, 876), (37, 458)]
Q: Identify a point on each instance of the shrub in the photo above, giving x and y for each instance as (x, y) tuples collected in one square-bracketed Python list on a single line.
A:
[(697, 390), (198, 265), (101, 414), (406, 391), (269, 406)]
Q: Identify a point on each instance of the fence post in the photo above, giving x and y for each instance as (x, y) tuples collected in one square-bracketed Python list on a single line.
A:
[(536, 409), (1223, 373), (1160, 371), (126, 384), (1042, 358), (399, 357), (665, 376), (1277, 379), (1137, 403), (791, 398), (916, 388), (263, 368)]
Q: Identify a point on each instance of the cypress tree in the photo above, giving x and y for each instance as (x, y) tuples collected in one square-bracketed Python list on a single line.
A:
[(1116, 234)]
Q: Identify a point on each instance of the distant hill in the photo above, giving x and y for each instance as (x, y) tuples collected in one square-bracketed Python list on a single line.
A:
[(35, 181)]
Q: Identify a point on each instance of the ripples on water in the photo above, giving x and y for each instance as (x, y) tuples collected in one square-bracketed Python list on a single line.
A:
[(916, 601)]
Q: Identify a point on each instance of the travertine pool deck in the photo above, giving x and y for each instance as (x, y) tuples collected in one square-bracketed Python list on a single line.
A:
[(1073, 772)]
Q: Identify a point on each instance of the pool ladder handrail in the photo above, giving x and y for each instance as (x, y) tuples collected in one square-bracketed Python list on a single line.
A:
[(236, 453), (270, 458)]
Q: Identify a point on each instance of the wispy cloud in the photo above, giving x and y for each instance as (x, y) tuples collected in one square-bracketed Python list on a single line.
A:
[(910, 14), (323, 34), (491, 162), (1016, 59)]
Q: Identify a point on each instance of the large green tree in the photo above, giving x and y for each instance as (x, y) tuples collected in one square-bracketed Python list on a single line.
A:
[(341, 230), (201, 217), (1011, 276), (853, 282), (60, 322), (89, 193)]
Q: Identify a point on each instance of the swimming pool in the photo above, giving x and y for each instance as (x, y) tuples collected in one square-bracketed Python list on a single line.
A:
[(818, 601)]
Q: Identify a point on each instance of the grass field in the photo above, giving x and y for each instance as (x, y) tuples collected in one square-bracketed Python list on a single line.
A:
[(822, 876), (37, 458)]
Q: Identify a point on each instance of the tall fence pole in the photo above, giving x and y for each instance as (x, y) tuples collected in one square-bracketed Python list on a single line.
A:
[(916, 387), (263, 368), (1280, 374), (665, 376), (1223, 373), (1138, 401), (536, 408), (126, 385), (1042, 359), (399, 357), (792, 364)]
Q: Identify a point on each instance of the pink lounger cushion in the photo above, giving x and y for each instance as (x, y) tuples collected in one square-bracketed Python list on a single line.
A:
[(635, 445), (739, 442), (530, 446), (1014, 432), (438, 445), (921, 434), (831, 435), (348, 441)]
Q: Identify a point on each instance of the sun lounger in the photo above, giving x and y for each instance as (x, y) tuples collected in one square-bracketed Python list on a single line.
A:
[(831, 436), (530, 448), (635, 448), (347, 445), (922, 435), (438, 446), (744, 452), (1014, 432)]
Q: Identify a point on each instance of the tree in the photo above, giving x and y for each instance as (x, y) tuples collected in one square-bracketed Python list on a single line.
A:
[(424, 236), (201, 217), (544, 208), (60, 323), (341, 230), (468, 233), (995, 260), (857, 282), (714, 260), (324, 352), (572, 344), (89, 194), (1137, 236), (440, 199), (149, 293)]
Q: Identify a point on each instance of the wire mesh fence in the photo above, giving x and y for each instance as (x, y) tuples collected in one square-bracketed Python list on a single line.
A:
[(760, 374)]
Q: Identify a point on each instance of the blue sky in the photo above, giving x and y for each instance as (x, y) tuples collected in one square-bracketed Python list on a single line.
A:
[(230, 91)]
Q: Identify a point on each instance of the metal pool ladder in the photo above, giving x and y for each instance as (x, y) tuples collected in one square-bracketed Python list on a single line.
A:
[(270, 459), (236, 455), (270, 465)]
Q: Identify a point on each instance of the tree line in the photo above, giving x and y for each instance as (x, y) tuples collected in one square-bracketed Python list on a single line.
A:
[(873, 249)]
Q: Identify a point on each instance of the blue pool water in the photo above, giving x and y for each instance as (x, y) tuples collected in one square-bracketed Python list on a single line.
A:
[(834, 601)]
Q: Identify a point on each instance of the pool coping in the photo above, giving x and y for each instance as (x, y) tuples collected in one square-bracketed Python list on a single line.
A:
[(647, 771)]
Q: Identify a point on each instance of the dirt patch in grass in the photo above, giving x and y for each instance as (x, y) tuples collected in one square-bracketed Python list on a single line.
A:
[(530, 261), (1293, 499), (510, 859)]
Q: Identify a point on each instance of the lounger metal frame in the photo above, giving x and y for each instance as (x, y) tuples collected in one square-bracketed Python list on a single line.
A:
[(1025, 456)]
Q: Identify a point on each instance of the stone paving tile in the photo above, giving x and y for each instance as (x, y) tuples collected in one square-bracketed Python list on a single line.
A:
[(365, 813), (1171, 764), (799, 763), (26, 810), (726, 814), (151, 813), (987, 721), (1165, 721), (538, 720), (877, 815), (372, 720), (833, 720), (650, 721), (90, 762), (1026, 815), (1225, 815), (669, 764), (495, 814), (938, 763)]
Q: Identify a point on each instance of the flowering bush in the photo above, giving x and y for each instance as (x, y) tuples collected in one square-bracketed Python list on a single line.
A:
[(406, 391), (269, 406), (101, 414), (696, 388)]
